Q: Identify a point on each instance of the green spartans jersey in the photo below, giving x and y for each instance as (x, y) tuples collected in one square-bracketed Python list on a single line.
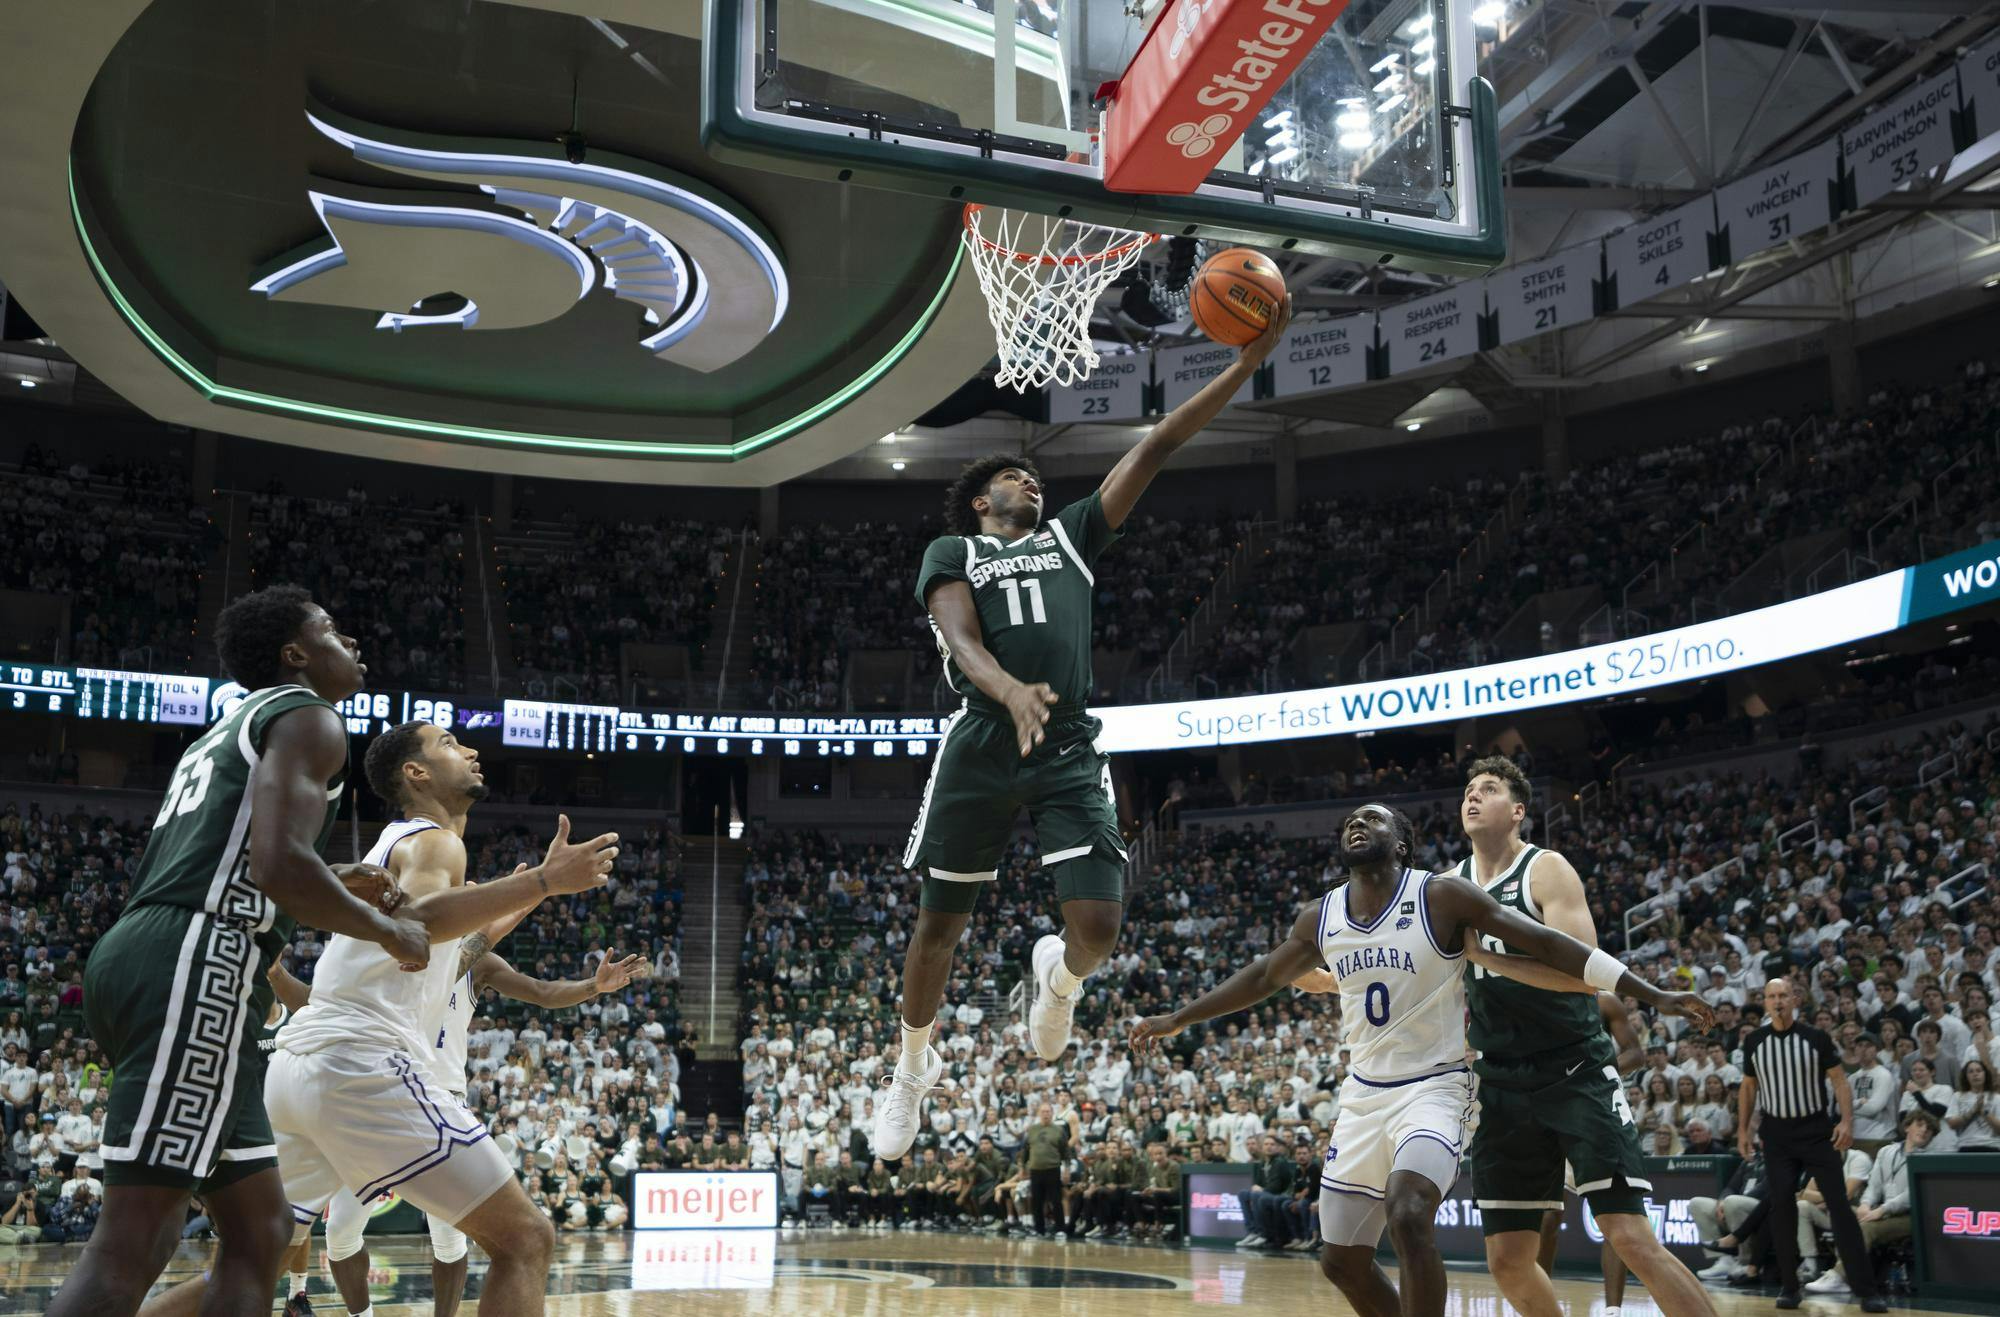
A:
[(1509, 1018), (199, 855), (1034, 601)]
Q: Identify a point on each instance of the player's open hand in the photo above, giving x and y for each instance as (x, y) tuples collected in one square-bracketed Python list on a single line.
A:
[(372, 884), (578, 866), (613, 974), (1030, 706), (1151, 1030), (1260, 347), (1689, 1007)]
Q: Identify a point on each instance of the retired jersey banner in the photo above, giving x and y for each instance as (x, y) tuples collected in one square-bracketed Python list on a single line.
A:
[(1661, 254), (1328, 355), (1203, 71), (1541, 296), (1901, 142), (1183, 371), (1979, 83), (1784, 201), (1441, 327), (1115, 391)]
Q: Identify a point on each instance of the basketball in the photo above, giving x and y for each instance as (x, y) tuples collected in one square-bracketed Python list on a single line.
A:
[(1235, 292)]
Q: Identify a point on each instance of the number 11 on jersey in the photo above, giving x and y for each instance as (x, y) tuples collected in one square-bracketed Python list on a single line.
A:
[(1014, 590)]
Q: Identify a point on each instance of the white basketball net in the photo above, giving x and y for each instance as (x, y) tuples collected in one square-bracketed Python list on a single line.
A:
[(1041, 276)]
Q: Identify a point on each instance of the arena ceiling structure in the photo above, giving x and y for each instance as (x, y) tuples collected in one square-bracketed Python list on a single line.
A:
[(479, 235), (235, 220)]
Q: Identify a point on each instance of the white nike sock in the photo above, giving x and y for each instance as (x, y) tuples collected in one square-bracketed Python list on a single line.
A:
[(1061, 981), (369, 1311), (292, 1285), (916, 1042)]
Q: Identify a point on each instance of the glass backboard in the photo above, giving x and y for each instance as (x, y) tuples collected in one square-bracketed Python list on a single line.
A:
[(1381, 145)]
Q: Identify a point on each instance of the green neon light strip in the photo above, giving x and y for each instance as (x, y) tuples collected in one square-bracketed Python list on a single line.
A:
[(741, 448)]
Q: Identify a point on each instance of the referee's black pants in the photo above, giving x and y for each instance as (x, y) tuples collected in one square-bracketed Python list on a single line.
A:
[(1793, 1151)]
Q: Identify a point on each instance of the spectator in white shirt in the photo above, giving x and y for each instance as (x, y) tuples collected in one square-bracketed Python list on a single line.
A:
[(1876, 1097)]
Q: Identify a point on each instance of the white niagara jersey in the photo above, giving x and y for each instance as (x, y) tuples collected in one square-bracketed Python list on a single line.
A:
[(361, 997), (358, 1094), (1408, 1103), (451, 1034), (1402, 996)]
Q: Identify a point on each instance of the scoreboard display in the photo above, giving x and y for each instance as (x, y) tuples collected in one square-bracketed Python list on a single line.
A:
[(168, 699), (604, 728), (104, 693)]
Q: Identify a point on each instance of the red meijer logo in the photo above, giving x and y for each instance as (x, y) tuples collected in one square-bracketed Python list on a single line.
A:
[(1977, 1222), (716, 1203)]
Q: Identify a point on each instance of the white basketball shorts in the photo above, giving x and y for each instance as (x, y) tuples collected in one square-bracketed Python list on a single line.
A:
[(1418, 1125), (375, 1121)]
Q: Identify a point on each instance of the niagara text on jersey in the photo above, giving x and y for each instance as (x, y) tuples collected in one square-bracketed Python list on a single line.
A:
[(1033, 596), (1402, 996)]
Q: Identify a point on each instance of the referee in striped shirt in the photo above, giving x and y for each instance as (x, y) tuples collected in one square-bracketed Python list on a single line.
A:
[(1792, 1078)]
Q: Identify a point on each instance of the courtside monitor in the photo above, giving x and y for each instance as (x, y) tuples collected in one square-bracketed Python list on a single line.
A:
[(1358, 129)]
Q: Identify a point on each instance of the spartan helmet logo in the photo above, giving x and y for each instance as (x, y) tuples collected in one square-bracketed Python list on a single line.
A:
[(1197, 139)]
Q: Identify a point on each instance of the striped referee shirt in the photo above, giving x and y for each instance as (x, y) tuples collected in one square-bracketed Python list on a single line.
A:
[(1790, 1067)]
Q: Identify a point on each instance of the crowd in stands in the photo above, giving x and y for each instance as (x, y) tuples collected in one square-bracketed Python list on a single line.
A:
[(824, 591), (1882, 911), (126, 542), (1663, 536), (580, 590), (1897, 481), (569, 1094), (1873, 885), (391, 574)]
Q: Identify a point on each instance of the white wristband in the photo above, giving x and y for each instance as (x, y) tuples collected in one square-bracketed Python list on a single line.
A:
[(1603, 970)]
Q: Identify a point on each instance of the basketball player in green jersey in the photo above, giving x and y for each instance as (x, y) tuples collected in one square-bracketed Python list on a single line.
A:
[(176, 992), (1009, 597), (1548, 1078)]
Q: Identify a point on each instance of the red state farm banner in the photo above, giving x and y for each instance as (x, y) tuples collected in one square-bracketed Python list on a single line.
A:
[(1203, 70)]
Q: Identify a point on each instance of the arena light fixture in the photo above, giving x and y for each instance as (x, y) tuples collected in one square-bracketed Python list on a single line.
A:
[(1414, 426), (1701, 367), (27, 384), (229, 395), (897, 466), (1489, 14), (1421, 23)]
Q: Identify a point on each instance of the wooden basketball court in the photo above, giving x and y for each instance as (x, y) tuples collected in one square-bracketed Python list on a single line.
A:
[(689, 1274)]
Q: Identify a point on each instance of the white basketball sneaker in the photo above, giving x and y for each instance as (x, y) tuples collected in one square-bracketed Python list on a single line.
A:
[(1050, 1018), (900, 1113)]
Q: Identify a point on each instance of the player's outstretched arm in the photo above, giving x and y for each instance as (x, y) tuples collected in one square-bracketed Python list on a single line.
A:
[(1463, 905), (304, 750), (494, 972), (1135, 471), (957, 617), (1263, 976), (1618, 1023), (431, 865)]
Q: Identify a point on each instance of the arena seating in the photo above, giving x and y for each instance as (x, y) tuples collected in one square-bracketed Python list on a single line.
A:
[(577, 591), (1459, 573), (1740, 869), (125, 542), (1731, 864), (392, 575)]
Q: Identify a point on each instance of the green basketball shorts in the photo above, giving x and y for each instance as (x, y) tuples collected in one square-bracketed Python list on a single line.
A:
[(978, 786), (1562, 1106), (175, 1000)]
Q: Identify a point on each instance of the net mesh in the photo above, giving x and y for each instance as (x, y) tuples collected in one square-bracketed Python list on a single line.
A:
[(1041, 276)]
